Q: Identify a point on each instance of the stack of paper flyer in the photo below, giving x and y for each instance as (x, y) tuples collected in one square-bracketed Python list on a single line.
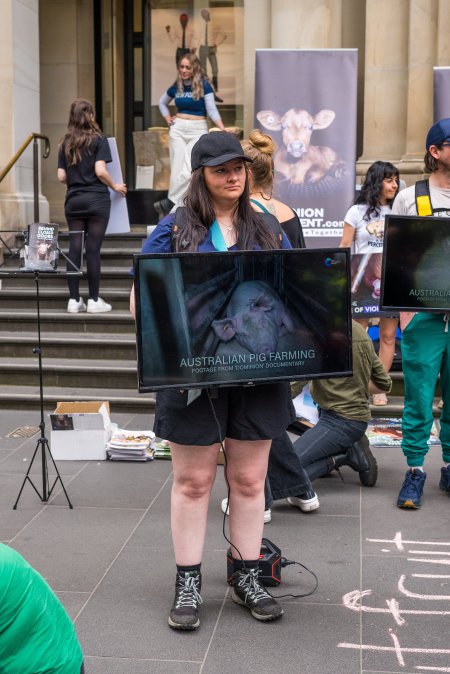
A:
[(387, 432), (161, 449), (126, 445)]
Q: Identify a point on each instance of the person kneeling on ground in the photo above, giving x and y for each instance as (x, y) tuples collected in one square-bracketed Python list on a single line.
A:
[(36, 634), (338, 439)]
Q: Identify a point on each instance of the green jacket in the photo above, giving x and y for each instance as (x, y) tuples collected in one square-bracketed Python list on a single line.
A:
[(36, 634), (349, 396)]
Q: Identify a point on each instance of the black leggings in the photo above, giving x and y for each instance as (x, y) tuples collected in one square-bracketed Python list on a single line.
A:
[(94, 229), (82, 668)]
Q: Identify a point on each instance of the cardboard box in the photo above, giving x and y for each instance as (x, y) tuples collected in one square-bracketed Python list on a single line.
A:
[(80, 431)]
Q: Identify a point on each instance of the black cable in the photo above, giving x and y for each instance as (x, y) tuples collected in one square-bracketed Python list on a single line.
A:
[(284, 562), (225, 466), (287, 562)]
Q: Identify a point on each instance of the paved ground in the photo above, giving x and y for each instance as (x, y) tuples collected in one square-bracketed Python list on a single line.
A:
[(110, 561)]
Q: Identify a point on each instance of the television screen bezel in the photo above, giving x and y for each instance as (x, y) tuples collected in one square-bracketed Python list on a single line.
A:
[(144, 388)]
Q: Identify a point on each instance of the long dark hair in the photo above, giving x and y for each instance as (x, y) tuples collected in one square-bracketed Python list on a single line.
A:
[(82, 129), (370, 193), (200, 215)]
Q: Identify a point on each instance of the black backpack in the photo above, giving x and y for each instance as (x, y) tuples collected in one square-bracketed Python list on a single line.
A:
[(423, 200)]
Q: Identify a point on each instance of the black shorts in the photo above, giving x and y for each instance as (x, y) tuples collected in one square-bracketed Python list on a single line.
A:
[(259, 412)]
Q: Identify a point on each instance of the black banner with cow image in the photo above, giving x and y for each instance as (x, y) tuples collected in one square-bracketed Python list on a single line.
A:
[(242, 317), (306, 100)]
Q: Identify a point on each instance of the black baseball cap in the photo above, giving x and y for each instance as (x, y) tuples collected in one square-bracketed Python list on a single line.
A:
[(215, 148), (438, 133)]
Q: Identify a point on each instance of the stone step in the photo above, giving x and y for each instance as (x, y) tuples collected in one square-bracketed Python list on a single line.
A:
[(57, 298), (117, 277), (60, 321), (132, 239), (28, 397), (99, 346), (70, 373)]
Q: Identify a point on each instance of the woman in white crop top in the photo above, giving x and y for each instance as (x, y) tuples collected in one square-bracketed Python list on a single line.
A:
[(364, 233), (194, 100)]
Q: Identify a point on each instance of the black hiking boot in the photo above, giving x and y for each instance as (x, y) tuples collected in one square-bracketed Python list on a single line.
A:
[(360, 458), (248, 591), (184, 611)]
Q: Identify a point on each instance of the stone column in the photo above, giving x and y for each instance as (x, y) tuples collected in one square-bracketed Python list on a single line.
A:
[(309, 24), (256, 36), (386, 71), (423, 43), (287, 24), (443, 43), (67, 72), (19, 110)]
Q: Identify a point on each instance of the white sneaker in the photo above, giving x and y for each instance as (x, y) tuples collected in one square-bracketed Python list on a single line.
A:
[(306, 504), (226, 510), (74, 307), (98, 307)]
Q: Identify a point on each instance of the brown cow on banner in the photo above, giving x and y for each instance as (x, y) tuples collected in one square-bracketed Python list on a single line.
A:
[(298, 161)]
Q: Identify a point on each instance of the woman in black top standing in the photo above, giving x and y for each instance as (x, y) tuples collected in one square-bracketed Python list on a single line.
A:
[(83, 155)]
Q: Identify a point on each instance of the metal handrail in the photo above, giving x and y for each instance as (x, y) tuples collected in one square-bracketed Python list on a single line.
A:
[(32, 137)]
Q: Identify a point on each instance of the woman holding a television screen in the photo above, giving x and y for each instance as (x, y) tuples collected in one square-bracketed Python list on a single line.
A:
[(218, 217), (364, 230)]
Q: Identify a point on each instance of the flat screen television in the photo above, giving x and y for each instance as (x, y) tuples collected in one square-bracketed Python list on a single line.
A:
[(239, 318), (416, 264)]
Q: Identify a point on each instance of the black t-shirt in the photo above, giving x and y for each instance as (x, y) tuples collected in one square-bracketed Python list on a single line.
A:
[(81, 176)]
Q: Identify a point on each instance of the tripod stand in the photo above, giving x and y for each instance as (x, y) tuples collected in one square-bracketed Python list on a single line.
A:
[(42, 443), (5, 271)]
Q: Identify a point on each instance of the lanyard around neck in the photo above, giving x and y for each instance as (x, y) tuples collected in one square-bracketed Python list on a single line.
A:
[(217, 237)]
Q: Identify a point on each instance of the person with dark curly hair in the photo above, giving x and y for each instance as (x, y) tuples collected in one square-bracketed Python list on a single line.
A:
[(82, 158), (364, 231)]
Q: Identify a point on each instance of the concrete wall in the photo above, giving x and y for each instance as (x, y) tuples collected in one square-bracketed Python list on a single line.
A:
[(66, 37)]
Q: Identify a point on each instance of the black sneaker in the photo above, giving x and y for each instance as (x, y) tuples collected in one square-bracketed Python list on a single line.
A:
[(184, 611), (248, 591), (444, 482), (360, 458), (163, 207)]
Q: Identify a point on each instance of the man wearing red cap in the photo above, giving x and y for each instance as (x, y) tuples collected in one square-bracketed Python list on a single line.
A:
[(426, 337)]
